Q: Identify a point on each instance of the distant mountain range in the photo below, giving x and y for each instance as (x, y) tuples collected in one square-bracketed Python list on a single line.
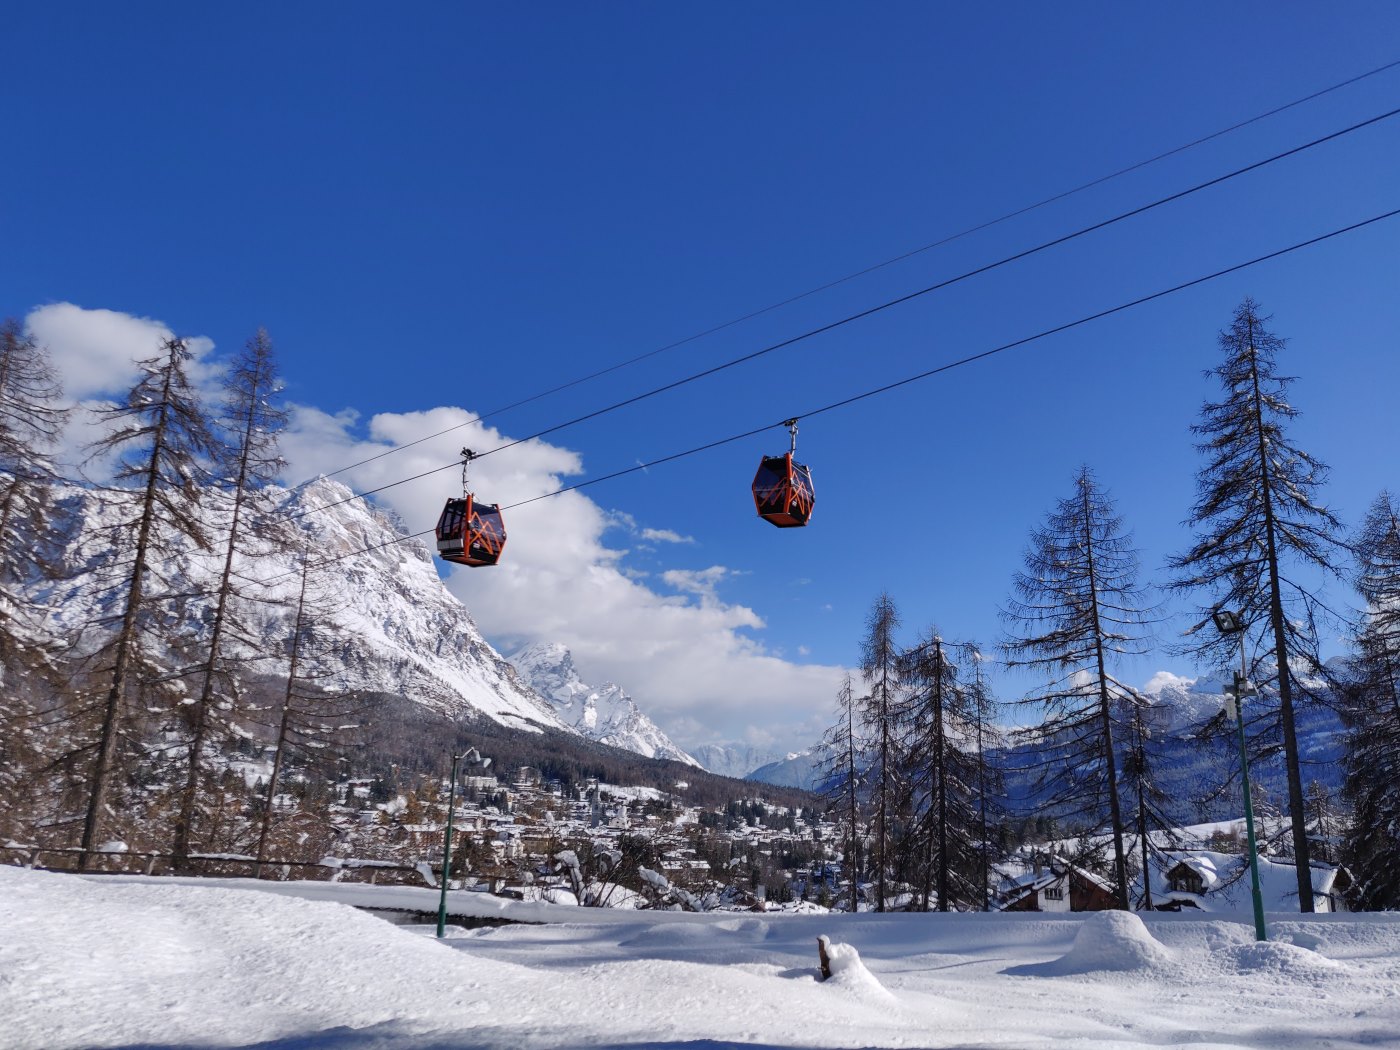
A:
[(603, 713), (394, 627)]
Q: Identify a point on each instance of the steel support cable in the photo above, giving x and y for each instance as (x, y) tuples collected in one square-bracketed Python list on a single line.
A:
[(881, 307), (887, 387), (949, 239)]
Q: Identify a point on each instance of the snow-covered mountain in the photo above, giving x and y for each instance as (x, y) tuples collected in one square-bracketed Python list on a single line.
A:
[(605, 713), (395, 628), (798, 769), (733, 759)]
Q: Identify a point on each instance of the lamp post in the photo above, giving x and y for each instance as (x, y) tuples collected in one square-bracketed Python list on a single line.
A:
[(470, 755), (1228, 623)]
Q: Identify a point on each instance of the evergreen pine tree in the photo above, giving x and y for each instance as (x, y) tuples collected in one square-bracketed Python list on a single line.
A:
[(1256, 510)]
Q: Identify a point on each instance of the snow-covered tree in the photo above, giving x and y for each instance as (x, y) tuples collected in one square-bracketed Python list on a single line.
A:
[(1078, 609), (1257, 514)]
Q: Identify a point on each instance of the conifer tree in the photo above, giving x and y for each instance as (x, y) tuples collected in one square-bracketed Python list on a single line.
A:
[(840, 782), (161, 441), (880, 723), (248, 462), (1256, 510), (312, 716), (941, 774), (31, 421), (1371, 843), (982, 710), (1078, 608)]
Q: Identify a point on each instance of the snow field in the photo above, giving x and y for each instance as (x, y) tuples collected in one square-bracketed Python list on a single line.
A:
[(106, 962)]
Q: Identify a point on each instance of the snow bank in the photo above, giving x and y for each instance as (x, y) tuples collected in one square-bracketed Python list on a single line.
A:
[(1113, 941), (1276, 957), (850, 974), (85, 964)]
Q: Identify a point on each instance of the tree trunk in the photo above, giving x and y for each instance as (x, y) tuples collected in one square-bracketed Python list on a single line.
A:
[(107, 744), (1120, 867), (1301, 859)]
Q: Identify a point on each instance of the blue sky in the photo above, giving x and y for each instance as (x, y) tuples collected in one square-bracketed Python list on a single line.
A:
[(451, 207)]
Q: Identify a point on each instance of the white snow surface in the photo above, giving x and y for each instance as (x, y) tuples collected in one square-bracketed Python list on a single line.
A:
[(605, 713), (171, 963)]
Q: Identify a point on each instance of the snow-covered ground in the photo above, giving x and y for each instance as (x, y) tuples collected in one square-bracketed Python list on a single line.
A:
[(108, 962)]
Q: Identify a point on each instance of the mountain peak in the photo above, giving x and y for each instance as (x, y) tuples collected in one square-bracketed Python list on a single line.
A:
[(605, 712)]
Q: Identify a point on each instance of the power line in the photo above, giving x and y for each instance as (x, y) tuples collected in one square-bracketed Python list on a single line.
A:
[(949, 239), (908, 380), (886, 305)]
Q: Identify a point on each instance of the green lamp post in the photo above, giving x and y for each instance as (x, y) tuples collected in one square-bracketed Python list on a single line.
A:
[(470, 755), (1228, 623)]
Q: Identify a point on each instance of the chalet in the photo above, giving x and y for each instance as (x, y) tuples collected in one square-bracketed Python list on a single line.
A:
[(1059, 887), (1193, 879)]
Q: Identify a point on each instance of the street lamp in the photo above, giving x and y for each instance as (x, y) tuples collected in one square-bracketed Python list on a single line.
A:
[(470, 755), (1229, 623)]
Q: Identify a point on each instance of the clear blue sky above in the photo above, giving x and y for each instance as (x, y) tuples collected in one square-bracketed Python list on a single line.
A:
[(461, 205)]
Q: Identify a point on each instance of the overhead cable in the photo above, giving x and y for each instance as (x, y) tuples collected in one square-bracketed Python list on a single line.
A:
[(887, 387), (886, 305), (949, 239)]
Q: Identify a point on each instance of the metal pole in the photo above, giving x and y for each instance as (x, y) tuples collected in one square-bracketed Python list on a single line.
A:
[(447, 849), (1260, 933)]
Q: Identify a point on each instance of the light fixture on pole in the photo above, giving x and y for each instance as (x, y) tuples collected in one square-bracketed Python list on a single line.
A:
[(470, 755), (1229, 623)]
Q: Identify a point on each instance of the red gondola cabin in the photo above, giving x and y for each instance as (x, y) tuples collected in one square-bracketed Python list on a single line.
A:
[(783, 492), (470, 533)]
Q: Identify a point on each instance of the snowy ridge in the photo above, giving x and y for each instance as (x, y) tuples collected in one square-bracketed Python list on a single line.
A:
[(396, 628), (735, 759), (603, 713)]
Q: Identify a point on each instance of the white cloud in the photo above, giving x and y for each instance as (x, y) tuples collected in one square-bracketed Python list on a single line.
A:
[(95, 354), (664, 536), (684, 656), (96, 350), (682, 651)]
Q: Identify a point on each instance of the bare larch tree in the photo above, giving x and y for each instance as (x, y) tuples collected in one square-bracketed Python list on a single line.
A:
[(1256, 511), (247, 464), (880, 723), (1078, 609), (162, 442), (1371, 843)]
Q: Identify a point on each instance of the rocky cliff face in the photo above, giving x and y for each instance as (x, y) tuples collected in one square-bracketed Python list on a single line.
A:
[(390, 625), (604, 713)]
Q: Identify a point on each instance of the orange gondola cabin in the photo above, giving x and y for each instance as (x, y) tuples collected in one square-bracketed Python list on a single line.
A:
[(470, 533), (782, 488)]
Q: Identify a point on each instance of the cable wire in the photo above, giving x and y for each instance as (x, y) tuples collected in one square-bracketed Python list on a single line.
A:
[(886, 305), (949, 239), (887, 387)]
